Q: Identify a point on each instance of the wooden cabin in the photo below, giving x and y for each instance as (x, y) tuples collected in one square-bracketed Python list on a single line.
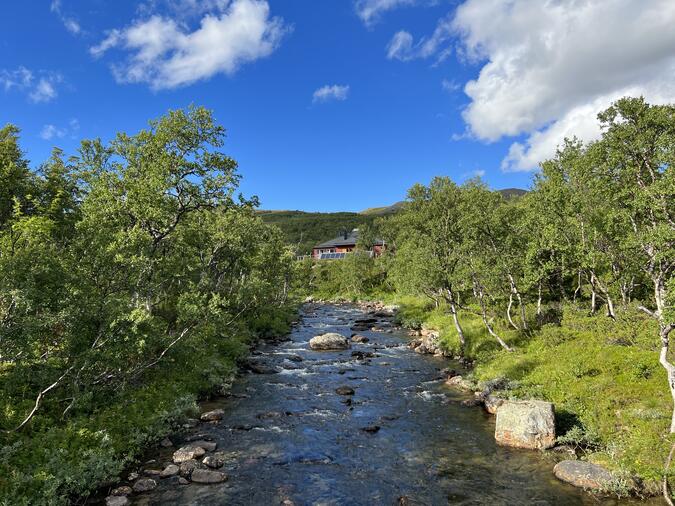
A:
[(340, 246)]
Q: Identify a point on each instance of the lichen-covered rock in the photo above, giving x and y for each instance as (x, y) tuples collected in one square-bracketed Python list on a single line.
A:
[(329, 341), (121, 490), (460, 383), (359, 339), (428, 343), (213, 461), (144, 485), (188, 452), (117, 500), (187, 467), (492, 403), (526, 424), (207, 476), (583, 474), (213, 416), (170, 470)]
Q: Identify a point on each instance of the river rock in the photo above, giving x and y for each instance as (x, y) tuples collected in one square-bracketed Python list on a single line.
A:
[(459, 382), (208, 446), (526, 424), (144, 485), (187, 467), (260, 368), (492, 403), (213, 461), (359, 339), (188, 452), (583, 474), (344, 391), (207, 476), (117, 500), (329, 341), (428, 344), (170, 470), (213, 416), (121, 490)]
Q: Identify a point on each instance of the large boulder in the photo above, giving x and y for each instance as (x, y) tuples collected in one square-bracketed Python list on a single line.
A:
[(583, 474), (526, 424), (330, 341)]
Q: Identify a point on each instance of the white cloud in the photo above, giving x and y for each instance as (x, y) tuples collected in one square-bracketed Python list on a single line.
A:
[(450, 86), (44, 91), (402, 46), (549, 67), (38, 88), (50, 131), (334, 92), (370, 11), (166, 54), (69, 22)]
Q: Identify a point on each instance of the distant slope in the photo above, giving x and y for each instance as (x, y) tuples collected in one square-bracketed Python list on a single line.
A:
[(512, 192), (308, 229), (305, 230), (381, 211)]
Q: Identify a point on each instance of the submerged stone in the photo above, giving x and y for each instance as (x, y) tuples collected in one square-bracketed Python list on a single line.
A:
[(583, 474)]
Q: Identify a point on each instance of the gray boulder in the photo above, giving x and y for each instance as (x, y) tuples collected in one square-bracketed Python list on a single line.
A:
[(170, 470), (207, 476), (330, 341), (117, 500), (526, 424), (213, 416), (583, 474), (144, 485), (188, 453)]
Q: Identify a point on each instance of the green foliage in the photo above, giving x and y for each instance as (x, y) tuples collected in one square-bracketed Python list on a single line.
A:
[(131, 277)]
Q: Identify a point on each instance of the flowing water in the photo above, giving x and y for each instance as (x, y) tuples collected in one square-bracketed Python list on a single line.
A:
[(290, 437)]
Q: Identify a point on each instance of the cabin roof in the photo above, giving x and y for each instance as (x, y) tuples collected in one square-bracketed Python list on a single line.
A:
[(345, 239)]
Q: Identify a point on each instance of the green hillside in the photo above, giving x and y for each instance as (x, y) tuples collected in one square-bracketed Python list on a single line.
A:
[(305, 229)]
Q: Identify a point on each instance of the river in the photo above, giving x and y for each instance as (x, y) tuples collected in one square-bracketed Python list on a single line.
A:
[(289, 438)]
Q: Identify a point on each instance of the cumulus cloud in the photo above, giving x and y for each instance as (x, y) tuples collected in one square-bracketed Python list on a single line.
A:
[(37, 86), (69, 22), (166, 54), (370, 11), (331, 92), (549, 67)]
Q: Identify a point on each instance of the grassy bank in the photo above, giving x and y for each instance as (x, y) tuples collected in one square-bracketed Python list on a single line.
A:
[(602, 375), (58, 461)]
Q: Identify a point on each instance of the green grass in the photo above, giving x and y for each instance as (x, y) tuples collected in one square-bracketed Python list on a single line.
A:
[(603, 377)]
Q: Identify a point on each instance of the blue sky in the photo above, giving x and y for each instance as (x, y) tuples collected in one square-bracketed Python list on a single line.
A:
[(334, 104)]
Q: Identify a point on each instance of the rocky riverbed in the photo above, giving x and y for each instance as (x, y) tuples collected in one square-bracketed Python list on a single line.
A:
[(368, 423)]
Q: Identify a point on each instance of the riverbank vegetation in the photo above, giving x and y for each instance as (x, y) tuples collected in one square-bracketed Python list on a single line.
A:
[(567, 291), (132, 275)]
